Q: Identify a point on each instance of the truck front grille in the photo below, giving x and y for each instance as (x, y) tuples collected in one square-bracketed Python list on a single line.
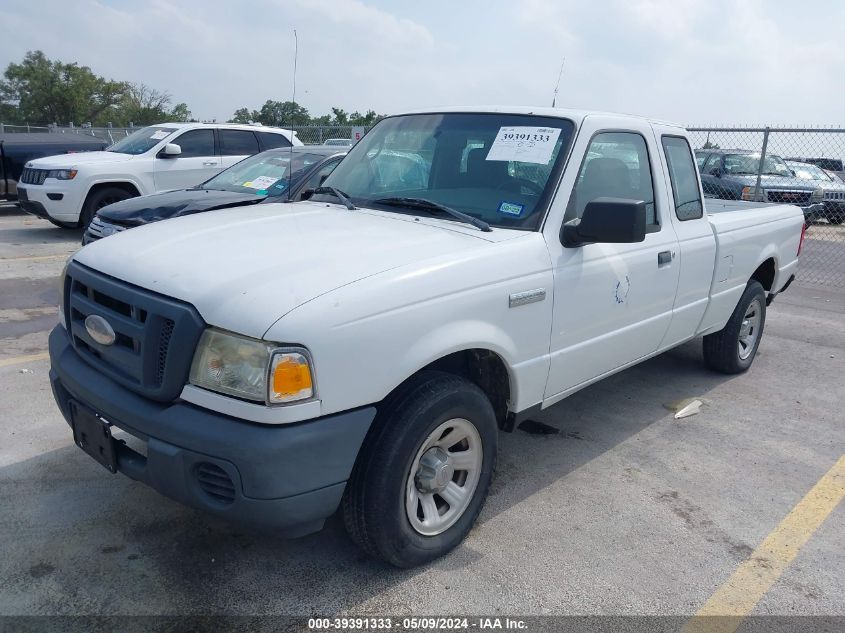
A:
[(155, 336), (31, 176), (801, 198)]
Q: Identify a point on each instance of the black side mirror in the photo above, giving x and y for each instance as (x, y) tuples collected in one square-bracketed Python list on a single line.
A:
[(716, 172), (606, 220), (306, 194)]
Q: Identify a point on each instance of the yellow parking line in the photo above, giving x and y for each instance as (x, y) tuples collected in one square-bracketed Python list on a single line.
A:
[(14, 360), (740, 593), (34, 258)]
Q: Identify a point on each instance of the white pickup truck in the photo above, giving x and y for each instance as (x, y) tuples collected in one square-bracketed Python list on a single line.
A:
[(69, 189), (460, 270)]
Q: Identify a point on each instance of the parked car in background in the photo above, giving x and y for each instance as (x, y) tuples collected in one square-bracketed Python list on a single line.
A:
[(361, 350), (68, 190), (339, 142), (834, 190), (18, 149), (731, 174), (277, 175), (828, 164)]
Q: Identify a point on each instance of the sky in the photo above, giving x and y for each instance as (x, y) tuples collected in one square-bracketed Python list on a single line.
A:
[(688, 61)]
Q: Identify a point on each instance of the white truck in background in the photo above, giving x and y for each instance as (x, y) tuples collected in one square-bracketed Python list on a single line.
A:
[(458, 271), (69, 189)]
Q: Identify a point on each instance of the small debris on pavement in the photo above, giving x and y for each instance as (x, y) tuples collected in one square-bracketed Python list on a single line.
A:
[(686, 407)]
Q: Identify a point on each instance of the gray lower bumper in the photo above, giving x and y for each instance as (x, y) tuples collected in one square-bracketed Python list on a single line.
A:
[(289, 477)]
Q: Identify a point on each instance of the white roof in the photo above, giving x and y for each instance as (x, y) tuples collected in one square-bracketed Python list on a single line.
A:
[(227, 126), (575, 115)]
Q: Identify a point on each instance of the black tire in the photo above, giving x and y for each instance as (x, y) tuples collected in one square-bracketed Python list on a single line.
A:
[(374, 509), (98, 200), (722, 350), (836, 218)]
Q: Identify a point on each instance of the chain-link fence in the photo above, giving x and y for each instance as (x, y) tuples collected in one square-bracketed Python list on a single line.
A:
[(308, 134), (800, 166)]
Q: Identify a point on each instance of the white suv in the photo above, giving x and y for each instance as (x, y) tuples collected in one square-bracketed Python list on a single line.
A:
[(68, 189)]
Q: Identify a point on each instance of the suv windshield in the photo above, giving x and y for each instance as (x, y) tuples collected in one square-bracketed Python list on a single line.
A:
[(500, 168), (266, 174), (142, 140), (748, 164), (805, 171)]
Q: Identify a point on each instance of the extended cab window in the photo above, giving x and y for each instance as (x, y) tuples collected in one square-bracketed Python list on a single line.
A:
[(196, 143), (238, 143), (616, 166), (682, 174)]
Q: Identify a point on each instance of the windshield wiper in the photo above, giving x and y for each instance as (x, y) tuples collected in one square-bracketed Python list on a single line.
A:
[(337, 193), (422, 203)]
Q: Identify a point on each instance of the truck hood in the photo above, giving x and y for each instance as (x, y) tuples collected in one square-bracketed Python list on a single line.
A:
[(244, 268), (79, 158)]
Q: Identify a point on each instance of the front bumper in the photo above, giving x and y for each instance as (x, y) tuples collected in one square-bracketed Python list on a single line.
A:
[(813, 211), (288, 477), (55, 199)]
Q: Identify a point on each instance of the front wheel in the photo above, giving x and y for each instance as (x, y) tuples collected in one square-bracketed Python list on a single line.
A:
[(424, 471), (732, 349), (99, 199)]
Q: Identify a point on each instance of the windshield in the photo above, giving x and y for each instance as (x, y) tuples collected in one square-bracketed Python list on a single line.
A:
[(142, 140), (805, 171), (748, 164), (267, 174), (500, 168)]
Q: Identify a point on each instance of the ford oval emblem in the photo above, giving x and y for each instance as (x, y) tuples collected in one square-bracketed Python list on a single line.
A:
[(99, 329)]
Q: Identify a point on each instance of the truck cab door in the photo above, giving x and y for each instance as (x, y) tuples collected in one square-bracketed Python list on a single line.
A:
[(612, 302), (195, 164), (696, 242)]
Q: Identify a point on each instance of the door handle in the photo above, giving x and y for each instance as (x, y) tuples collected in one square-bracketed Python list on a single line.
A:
[(209, 163), (664, 258)]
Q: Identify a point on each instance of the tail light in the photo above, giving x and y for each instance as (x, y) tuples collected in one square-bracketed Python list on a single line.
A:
[(801, 241)]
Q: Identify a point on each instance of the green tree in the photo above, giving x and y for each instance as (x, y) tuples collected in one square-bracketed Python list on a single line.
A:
[(142, 105), (283, 113), (243, 115), (43, 91), (180, 113)]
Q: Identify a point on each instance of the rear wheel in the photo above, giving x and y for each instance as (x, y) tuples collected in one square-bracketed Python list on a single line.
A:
[(732, 349), (98, 200), (424, 471)]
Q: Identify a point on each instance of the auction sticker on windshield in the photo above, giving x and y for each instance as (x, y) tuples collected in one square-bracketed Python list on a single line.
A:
[(525, 144), (160, 135), (262, 182)]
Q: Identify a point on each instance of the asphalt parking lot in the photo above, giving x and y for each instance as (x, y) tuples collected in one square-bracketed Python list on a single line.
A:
[(625, 511)]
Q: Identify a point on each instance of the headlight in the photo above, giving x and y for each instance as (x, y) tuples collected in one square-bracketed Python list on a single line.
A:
[(818, 195), (748, 194), (62, 174), (248, 368)]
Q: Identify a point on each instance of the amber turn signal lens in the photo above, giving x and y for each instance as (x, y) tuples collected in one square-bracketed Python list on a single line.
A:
[(291, 378)]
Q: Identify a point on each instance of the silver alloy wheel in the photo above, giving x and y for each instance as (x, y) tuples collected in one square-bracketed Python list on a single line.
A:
[(749, 331), (443, 477)]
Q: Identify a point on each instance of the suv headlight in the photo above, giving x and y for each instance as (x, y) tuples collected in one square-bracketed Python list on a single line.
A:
[(62, 174), (748, 194), (818, 195), (252, 369)]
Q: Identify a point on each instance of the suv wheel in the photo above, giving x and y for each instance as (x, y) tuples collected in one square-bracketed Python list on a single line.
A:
[(98, 200)]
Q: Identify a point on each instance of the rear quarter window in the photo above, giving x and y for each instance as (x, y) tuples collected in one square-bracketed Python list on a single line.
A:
[(683, 176)]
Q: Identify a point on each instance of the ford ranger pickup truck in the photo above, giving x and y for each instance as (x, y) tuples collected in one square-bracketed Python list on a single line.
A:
[(360, 351)]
